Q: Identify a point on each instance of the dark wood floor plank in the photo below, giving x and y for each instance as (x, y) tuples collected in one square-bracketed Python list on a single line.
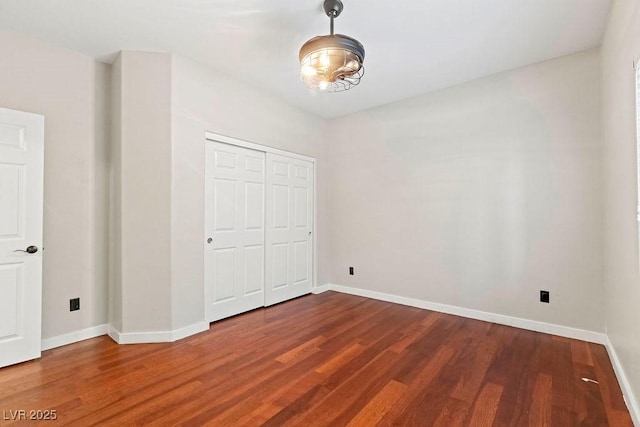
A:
[(540, 409), (453, 414), (486, 406), (581, 352), (325, 360), (515, 368), (377, 407), (299, 406), (426, 404), (421, 380), (471, 379), (563, 392), (416, 331), (609, 387), (340, 358), (588, 402), (342, 403)]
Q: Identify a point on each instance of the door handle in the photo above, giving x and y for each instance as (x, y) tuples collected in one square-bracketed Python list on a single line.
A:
[(29, 250)]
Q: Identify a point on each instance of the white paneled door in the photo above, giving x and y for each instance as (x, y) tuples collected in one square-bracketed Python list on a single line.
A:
[(234, 230), (289, 260), (21, 175)]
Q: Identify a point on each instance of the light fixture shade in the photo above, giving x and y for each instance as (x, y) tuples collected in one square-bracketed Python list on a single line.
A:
[(332, 63)]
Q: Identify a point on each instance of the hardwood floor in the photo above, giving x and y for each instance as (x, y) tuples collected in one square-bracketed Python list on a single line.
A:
[(328, 359)]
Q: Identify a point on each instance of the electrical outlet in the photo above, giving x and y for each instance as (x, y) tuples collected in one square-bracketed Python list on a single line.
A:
[(351, 271), (544, 296), (74, 304)]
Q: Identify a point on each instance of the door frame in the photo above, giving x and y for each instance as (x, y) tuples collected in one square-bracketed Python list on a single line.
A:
[(216, 137)]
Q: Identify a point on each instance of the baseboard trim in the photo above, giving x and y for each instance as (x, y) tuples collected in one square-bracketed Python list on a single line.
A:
[(189, 330), (632, 403), (533, 325), (320, 289), (73, 337), (157, 336)]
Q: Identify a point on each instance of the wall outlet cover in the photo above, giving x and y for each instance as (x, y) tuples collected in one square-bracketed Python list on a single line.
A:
[(544, 296)]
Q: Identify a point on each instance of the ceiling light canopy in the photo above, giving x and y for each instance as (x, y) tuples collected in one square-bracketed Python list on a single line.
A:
[(332, 63)]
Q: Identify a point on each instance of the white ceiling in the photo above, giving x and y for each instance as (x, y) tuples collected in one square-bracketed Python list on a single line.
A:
[(412, 46)]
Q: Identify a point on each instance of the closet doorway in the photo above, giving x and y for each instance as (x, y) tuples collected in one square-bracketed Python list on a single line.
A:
[(259, 225)]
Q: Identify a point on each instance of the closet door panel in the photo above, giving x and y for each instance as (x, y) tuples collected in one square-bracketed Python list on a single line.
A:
[(289, 227), (234, 230)]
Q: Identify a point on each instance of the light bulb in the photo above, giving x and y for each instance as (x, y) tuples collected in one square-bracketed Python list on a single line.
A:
[(325, 61), (308, 70), (323, 85)]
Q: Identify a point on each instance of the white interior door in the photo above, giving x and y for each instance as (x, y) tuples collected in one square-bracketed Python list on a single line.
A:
[(289, 259), (234, 228), (21, 174)]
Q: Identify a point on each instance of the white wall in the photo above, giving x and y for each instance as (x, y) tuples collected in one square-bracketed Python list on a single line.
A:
[(622, 280), (477, 196), (115, 198), (70, 90), (207, 101), (141, 232)]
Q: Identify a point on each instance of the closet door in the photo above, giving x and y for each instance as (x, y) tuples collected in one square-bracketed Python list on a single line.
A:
[(289, 256), (234, 230)]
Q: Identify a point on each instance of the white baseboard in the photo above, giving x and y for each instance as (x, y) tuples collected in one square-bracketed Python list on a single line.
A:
[(187, 331), (71, 337), (156, 337), (320, 289), (632, 403), (533, 325)]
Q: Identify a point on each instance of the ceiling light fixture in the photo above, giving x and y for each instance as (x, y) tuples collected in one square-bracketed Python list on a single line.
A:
[(332, 63)]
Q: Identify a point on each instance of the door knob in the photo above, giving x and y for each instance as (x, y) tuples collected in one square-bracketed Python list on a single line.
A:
[(29, 250), (209, 240)]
